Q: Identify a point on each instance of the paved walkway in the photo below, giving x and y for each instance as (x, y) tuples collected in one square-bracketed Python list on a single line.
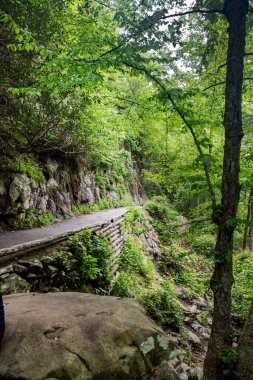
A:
[(14, 241)]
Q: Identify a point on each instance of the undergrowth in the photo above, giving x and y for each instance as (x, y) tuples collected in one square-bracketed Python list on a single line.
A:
[(34, 218), (164, 218), (102, 205), (83, 262), (139, 278)]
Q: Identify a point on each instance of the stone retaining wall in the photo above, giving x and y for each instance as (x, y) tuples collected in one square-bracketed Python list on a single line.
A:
[(19, 275)]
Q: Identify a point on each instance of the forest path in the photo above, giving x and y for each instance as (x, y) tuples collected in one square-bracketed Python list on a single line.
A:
[(14, 241)]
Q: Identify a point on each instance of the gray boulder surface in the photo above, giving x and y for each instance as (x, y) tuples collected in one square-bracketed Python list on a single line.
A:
[(76, 336)]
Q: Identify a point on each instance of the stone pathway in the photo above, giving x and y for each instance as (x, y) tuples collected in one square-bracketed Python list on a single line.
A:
[(12, 242)]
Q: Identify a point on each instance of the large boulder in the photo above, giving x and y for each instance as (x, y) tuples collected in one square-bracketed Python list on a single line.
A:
[(76, 336)]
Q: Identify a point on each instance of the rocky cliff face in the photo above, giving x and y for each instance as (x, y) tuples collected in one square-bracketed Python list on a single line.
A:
[(65, 183)]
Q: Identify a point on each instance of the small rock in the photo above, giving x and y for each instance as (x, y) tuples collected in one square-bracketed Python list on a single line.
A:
[(205, 336), (14, 284), (185, 367), (182, 374), (193, 309), (4, 276), (194, 338), (31, 275), (181, 357), (173, 338), (164, 372), (197, 327), (51, 271), (25, 263), (174, 362), (8, 269), (193, 377), (19, 268)]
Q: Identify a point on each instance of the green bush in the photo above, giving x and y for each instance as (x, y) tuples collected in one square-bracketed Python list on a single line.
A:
[(138, 278), (84, 262), (133, 260), (164, 217), (34, 218), (162, 304), (135, 221), (203, 244), (127, 285), (160, 209), (28, 166), (228, 360), (186, 267)]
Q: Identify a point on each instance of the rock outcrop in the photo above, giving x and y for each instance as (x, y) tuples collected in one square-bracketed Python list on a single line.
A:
[(75, 336), (66, 182)]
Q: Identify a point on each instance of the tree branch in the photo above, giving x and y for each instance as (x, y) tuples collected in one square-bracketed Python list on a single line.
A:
[(223, 82), (187, 123), (200, 11), (214, 85)]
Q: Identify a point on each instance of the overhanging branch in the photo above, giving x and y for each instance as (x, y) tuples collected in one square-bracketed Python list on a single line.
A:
[(186, 122)]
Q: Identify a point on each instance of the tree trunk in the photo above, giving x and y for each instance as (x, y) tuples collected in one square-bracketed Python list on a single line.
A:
[(245, 350), (222, 279)]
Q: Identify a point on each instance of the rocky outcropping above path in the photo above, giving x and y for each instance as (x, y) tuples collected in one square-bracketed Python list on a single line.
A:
[(73, 336), (65, 183)]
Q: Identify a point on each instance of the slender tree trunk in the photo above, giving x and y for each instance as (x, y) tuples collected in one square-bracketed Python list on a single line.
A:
[(222, 279), (248, 229), (245, 350)]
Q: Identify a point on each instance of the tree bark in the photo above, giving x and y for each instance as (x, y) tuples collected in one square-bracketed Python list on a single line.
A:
[(245, 350), (224, 216)]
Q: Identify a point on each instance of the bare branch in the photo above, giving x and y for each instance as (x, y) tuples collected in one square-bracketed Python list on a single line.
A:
[(214, 85), (223, 82)]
